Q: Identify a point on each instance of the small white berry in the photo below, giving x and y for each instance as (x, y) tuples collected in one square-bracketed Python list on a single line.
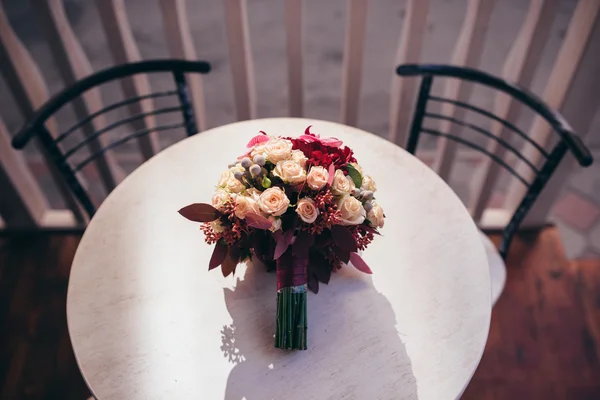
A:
[(246, 162), (255, 170)]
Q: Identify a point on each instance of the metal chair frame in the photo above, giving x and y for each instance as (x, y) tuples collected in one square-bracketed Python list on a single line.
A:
[(568, 140), (36, 125)]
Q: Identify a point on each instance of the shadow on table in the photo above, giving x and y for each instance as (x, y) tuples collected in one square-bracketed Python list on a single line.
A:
[(354, 350)]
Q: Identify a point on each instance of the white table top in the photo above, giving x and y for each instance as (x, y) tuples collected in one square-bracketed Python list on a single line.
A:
[(148, 321)]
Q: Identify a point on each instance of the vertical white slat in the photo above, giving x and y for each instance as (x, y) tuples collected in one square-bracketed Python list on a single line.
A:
[(520, 65), (404, 90), (124, 50), (293, 34), (565, 69), (22, 203), (356, 25), (30, 92), (581, 104), (240, 58), (74, 65), (467, 52), (179, 40)]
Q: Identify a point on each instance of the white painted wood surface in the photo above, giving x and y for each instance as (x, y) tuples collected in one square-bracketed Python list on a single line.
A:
[(580, 106), (73, 65), (293, 34), (467, 52), (404, 90), (564, 71), (181, 45), (520, 66), (240, 58), (123, 48), (147, 319), (356, 25), (22, 203)]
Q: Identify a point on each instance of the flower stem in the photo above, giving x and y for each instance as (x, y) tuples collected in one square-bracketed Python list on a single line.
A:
[(290, 332)]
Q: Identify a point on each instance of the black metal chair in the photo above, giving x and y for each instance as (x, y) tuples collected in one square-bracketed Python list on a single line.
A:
[(62, 158), (567, 139)]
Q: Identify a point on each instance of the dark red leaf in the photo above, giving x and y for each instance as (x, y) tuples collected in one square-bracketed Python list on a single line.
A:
[(282, 244), (320, 267), (331, 174), (200, 212), (228, 266), (370, 229), (343, 238), (289, 221), (307, 130), (342, 254), (359, 263), (302, 244), (257, 221), (218, 256), (312, 283)]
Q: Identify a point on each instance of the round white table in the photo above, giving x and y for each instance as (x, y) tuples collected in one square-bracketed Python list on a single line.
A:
[(149, 321)]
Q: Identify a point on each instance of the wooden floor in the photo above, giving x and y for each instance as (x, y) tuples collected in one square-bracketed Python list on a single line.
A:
[(544, 338)]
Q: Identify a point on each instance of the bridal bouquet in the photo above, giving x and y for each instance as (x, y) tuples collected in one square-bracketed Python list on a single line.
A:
[(303, 207)]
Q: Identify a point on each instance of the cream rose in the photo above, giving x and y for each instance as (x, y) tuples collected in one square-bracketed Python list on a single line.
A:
[(244, 205), (290, 172), (223, 179), (299, 157), (368, 184), (273, 201), (253, 193), (317, 178), (351, 211), (234, 185), (307, 210), (220, 198), (274, 150), (216, 226), (341, 184), (375, 215)]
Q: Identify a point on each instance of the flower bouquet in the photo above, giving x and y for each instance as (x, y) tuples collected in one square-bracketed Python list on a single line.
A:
[(303, 207)]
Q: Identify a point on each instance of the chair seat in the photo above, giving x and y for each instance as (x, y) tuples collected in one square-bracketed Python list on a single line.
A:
[(497, 267)]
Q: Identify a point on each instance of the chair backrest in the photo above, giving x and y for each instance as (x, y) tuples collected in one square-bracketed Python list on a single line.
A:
[(567, 139), (63, 147)]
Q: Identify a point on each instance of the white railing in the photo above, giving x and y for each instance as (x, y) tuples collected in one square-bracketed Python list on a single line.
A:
[(571, 88)]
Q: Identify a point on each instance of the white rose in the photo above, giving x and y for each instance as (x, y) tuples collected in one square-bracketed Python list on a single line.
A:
[(368, 184), (290, 172), (341, 185), (299, 157), (253, 193), (317, 178), (223, 179), (275, 224), (220, 198), (351, 211), (274, 150), (244, 205), (307, 210), (375, 215), (273, 201), (234, 185)]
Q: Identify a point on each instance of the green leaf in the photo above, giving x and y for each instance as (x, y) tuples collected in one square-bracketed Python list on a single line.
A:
[(355, 175)]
